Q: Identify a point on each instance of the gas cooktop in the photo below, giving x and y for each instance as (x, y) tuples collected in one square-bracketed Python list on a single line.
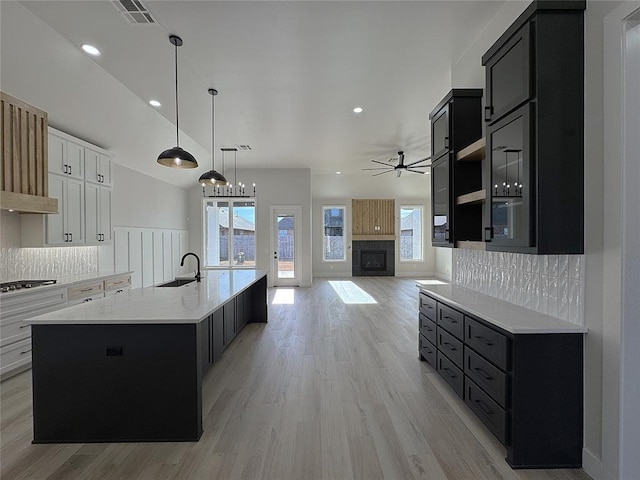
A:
[(20, 284)]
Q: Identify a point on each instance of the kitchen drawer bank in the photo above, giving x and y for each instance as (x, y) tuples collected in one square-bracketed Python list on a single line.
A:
[(129, 367), (25, 303), (520, 372)]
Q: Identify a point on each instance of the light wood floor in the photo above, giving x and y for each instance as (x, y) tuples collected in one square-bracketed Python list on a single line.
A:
[(324, 390)]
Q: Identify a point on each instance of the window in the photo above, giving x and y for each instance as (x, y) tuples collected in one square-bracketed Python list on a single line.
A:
[(411, 238), (333, 238), (230, 233)]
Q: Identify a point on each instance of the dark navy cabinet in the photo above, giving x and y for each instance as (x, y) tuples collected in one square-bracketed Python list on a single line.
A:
[(527, 388), (535, 132), (455, 123)]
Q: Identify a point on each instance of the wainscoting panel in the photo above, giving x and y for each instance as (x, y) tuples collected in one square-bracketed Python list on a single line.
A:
[(147, 258), (152, 254)]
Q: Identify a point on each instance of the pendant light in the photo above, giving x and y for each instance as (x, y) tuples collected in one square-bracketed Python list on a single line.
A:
[(212, 177), (176, 157)]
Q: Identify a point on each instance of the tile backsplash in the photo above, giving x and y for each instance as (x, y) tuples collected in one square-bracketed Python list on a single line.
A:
[(36, 263), (550, 284)]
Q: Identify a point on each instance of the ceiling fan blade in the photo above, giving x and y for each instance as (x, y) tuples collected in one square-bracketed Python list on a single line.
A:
[(381, 173), (379, 168), (419, 161), (418, 166), (381, 163), (415, 171)]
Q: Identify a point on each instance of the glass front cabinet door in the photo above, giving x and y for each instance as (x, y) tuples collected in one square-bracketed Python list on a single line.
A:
[(510, 189), (440, 187)]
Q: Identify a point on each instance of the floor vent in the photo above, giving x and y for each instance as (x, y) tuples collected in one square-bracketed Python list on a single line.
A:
[(135, 12), (243, 147)]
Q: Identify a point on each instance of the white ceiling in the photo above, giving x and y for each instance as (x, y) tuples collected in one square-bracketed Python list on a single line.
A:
[(288, 73)]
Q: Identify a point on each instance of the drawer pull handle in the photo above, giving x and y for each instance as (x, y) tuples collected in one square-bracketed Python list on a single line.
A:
[(483, 406), (453, 320), (25, 351), (86, 289), (24, 326), (484, 340), (450, 346), (449, 372), (485, 374)]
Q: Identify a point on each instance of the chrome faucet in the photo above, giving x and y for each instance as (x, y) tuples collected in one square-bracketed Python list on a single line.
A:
[(198, 276)]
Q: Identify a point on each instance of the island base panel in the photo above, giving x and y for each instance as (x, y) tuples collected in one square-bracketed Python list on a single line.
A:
[(116, 383)]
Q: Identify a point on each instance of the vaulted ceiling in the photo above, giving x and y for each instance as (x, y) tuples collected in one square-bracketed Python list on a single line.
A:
[(289, 75)]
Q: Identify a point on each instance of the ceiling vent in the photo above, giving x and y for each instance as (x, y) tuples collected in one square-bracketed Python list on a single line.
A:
[(135, 12), (245, 148)]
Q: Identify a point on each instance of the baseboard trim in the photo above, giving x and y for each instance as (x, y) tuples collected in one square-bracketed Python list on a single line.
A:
[(591, 464)]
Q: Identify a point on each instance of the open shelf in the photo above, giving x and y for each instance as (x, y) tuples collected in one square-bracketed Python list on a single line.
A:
[(473, 197), (472, 153), (471, 245)]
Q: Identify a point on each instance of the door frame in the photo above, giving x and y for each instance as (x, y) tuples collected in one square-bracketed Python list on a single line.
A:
[(296, 211)]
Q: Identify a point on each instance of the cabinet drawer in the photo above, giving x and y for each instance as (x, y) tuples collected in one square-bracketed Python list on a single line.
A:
[(428, 329), (491, 414), (451, 374), (12, 331), (119, 291), (427, 351), (488, 377), (117, 283), (451, 320), (84, 290), (15, 355), (78, 301), (428, 306), (489, 343), (451, 347)]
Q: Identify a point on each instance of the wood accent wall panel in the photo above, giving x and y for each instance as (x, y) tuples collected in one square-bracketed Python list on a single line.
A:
[(367, 214), (24, 147)]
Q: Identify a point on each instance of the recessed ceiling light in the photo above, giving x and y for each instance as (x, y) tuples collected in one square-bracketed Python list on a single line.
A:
[(357, 110), (338, 173), (91, 50), (155, 103)]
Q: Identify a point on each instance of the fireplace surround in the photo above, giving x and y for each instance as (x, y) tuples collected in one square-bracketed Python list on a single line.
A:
[(373, 258)]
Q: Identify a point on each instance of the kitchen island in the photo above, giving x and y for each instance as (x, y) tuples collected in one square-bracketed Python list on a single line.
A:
[(129, 368)]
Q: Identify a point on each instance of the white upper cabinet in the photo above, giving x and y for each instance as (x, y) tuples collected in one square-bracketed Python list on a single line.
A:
[(80, 178), (65, 157), (98, 214), (97, 167)]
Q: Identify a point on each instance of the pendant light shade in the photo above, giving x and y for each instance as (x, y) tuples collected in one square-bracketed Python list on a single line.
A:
[(176, 157), (212, 177)]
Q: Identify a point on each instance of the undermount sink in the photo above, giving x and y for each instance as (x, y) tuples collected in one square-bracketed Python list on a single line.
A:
[(178, 282)]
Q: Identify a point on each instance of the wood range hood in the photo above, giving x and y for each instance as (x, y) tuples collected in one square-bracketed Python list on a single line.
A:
[(24, 169)]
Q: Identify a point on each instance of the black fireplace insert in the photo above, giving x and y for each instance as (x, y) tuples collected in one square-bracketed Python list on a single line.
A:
[(375, 260)]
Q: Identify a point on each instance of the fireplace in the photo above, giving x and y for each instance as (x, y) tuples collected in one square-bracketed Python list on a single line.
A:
[(373, 258)]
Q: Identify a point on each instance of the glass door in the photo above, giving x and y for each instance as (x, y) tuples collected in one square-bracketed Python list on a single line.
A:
[(441, 202), (511, 189), (286, 245)]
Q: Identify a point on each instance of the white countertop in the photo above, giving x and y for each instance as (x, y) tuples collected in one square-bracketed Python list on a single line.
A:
[(65, 282), (186, 304), (509, 317)]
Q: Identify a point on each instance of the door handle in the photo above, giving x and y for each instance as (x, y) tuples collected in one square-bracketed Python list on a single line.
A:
[(446, 142)]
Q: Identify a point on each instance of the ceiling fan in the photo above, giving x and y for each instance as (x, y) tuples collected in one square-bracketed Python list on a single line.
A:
[(400, 167)]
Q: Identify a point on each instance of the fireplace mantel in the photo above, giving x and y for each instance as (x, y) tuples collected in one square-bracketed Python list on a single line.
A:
[(372, 237)]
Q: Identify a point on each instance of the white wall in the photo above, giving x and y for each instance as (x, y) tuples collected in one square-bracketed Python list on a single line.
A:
[(630, 388), (274, 187), (141, 201), (331, 189)]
